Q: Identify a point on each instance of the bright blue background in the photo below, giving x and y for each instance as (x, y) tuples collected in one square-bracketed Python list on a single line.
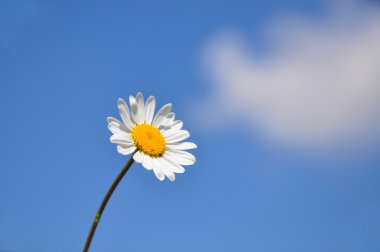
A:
[(62, 67)]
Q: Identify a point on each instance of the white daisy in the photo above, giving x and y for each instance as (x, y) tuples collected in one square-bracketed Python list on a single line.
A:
[(155, 141)]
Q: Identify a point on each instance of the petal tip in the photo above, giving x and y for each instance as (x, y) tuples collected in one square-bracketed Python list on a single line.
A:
[(171, 178), (161, 178), (137, 157), (118, 149)]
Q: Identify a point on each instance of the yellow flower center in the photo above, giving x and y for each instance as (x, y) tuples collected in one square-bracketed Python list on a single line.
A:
[(149, 139)]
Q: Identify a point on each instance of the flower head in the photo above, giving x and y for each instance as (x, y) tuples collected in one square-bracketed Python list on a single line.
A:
[(156, 141)]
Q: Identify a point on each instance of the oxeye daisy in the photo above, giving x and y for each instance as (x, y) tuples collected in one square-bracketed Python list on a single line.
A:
[(154, 140)]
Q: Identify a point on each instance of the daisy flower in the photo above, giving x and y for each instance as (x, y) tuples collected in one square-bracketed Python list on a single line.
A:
[(154, 140)]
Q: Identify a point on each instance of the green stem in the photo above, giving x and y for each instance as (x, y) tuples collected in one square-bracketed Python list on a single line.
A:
[(104, 202)]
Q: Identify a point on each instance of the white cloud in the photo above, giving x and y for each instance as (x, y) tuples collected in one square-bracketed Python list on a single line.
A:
[(319, 86)]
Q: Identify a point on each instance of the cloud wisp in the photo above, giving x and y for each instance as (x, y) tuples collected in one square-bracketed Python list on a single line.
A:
[(320, 86)]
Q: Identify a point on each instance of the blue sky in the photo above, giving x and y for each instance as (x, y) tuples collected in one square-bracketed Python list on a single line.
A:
[(64, 64)]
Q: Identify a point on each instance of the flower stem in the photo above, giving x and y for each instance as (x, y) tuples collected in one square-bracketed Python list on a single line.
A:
[(104, 202)]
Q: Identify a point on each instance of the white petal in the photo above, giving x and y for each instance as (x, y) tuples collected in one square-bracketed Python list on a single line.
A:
[(182, 146), (141, 107), (180, 157), (157, 170), (168, 133), (121, 139), (124, 113), (171, 119), (126, 151), (166, 169), (177, 125), (149, 109), (134, 109), (175, 167), (116, 127), (147, 163), (166, 122), (161, 114), (179, 136), (139, 157), (116, 130), (173, 128)]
